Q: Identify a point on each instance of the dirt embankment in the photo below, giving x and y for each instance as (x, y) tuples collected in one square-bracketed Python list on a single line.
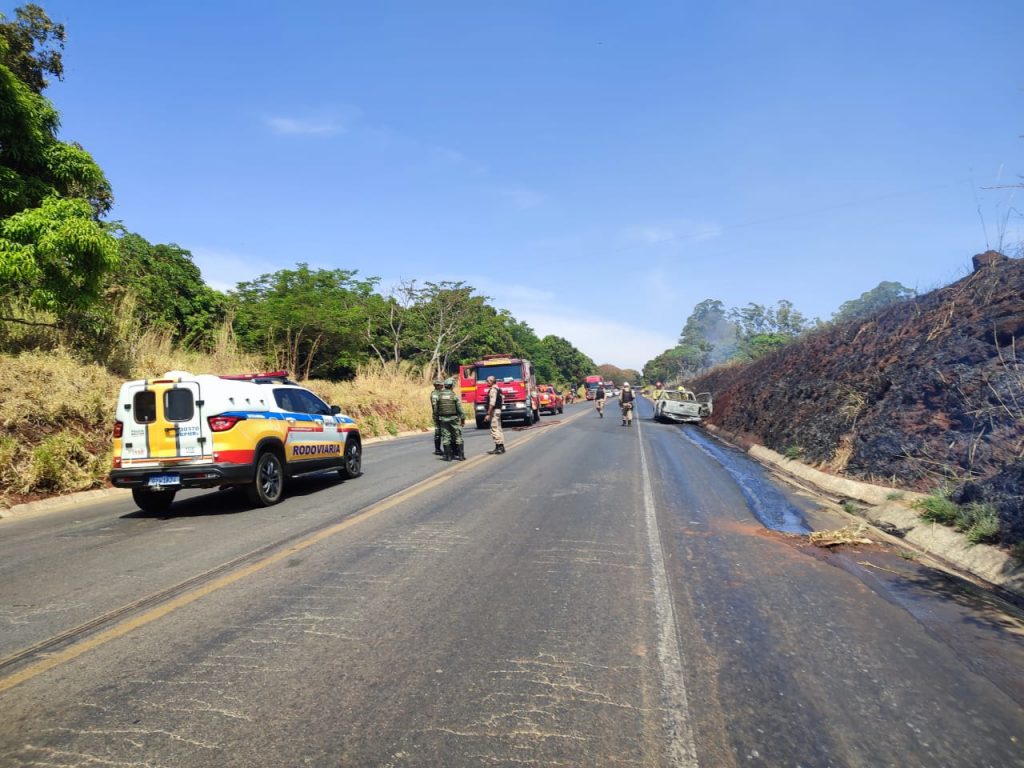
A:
[(927, 393)]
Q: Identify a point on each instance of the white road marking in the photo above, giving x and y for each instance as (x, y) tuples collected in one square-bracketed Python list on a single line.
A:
[(681, 748)]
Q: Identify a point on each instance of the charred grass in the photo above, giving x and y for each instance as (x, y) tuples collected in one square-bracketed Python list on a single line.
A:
[(926, 394)]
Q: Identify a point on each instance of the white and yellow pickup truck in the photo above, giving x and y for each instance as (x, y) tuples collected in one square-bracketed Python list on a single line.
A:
[(253, 430)]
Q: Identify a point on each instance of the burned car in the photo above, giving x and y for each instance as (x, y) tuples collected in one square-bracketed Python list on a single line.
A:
[(682, 405)]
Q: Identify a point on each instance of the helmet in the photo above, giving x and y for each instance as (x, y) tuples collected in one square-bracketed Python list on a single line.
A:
[(438, 382), (449, 382), (625, 385)]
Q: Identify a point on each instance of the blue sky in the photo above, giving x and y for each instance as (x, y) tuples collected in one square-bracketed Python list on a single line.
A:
[(598, 168)]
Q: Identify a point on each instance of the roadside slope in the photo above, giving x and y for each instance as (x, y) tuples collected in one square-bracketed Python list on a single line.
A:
[(925, 394)]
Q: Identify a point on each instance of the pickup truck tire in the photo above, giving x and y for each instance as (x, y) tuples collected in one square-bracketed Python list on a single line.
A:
[(267, 486), (153, 502), (352, 466)]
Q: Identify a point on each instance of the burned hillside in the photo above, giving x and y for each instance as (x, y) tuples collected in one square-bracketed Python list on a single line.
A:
[(928, 393)]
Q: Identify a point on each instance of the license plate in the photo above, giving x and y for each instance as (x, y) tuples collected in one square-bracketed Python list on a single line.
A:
[(159, 481)]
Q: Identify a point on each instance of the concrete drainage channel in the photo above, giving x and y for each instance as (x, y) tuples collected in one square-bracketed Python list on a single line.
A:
[(888, 511)]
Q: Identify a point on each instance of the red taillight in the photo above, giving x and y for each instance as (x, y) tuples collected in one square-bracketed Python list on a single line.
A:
[(118, 428), (223, 423)]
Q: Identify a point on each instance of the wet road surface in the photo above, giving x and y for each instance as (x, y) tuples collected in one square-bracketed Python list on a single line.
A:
[(599, 596)]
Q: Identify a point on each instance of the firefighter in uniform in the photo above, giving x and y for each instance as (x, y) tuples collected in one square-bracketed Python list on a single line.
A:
[(433, 409), (494, 414), (451, 418), (626, 404)]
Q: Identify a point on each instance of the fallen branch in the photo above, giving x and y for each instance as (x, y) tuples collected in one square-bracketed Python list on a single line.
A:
[(848, 535)]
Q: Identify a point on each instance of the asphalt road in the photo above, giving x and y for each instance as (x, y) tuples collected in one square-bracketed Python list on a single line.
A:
[(599, 596)]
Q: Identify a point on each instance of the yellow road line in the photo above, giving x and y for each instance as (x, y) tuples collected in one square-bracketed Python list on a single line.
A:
[(135, 622)]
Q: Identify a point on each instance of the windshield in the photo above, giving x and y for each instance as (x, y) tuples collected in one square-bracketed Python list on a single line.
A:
[(681, 396), (509, 372)]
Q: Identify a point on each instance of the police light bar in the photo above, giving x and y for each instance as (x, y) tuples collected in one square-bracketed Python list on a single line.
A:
[(251, 376)]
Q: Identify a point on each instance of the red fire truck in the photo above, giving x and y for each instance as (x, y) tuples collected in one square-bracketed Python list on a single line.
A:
[(591, 383), (520, 401)]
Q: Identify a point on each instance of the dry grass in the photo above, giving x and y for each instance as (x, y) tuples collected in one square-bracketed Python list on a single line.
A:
[(56, 413), (154, 354), (382, 399)]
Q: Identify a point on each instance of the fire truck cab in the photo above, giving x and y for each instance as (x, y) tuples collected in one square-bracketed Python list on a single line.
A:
[(514, 376)]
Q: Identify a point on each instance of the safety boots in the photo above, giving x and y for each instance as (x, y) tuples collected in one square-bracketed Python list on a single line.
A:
[(437, 447), (447, 453), (499, 448), (460, 452)]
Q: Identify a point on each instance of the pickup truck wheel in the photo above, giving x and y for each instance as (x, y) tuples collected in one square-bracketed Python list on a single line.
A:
[(153, 502), (268, 486), (528, 417), (353, 465)]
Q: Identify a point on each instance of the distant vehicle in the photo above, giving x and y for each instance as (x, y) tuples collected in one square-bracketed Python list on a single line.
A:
[(550, 400), (590, 384), (682, 406), (515, 378), (252, 430)]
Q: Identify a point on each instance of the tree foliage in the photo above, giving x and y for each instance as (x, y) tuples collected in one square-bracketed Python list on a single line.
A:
[(168, 291), (54, 257), (34, 46), (310, 322), (763, 329), (53, 253), (883, 295)]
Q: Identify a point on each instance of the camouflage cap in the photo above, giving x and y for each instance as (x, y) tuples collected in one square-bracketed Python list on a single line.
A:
[(449, 382), (437, 382)]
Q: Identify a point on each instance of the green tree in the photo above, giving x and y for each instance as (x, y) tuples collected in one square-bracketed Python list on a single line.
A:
[(310, 322), (54, 257), (53, 253), (168, 290), (883, 295), (763, 329), (34, 46), (34, 165), (709, 336), (570, 365), (447, 317)]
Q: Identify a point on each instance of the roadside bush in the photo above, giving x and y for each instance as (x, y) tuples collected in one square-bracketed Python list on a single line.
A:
[(938, 508), (980, 522), (63, 463)]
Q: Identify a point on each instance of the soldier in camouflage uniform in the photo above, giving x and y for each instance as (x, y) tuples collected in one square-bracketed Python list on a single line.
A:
[(433, 409), (451, 417)]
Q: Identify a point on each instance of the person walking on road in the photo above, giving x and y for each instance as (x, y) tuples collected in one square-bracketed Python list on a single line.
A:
[(599, 396), (494, 402), (626, 404), (451, 418), (433, 409)]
